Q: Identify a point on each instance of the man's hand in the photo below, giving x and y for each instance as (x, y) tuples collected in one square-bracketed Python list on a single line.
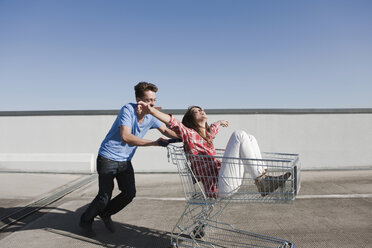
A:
[(162, 142), (166, 142)]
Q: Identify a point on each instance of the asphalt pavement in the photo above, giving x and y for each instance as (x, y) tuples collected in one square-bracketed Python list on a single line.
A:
[(333, 209)]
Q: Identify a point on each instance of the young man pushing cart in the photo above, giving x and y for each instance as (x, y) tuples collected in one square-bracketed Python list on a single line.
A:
[(115, 155)]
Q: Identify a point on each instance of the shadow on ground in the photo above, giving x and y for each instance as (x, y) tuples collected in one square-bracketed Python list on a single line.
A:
[(64, 222)]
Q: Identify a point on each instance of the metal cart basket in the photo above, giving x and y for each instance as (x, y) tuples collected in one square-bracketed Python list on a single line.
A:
[(200, 225)]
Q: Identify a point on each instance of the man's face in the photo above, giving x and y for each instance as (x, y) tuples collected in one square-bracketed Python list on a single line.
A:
[(149, 97)]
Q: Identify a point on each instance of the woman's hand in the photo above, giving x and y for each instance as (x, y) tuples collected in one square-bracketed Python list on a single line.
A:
[(144, 108), (224, 123)]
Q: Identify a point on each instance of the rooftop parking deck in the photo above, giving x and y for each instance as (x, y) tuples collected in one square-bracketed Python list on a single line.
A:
[(333, 209)]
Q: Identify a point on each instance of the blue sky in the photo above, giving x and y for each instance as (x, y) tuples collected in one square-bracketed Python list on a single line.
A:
[(89, 54)]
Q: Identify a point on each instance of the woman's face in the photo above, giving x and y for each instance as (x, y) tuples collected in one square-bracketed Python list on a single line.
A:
[(199, 114)]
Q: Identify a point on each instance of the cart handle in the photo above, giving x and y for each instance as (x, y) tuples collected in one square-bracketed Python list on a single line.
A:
[(167, 142)]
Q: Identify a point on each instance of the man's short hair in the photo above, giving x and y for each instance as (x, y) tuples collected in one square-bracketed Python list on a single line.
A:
[(142, 87)]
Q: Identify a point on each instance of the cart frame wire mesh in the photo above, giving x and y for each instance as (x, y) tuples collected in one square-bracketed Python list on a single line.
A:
[(200, 226)]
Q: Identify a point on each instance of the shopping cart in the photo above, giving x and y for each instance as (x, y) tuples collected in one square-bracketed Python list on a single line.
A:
[(200, 224)]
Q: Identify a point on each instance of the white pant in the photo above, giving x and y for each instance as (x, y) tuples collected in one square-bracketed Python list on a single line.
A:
[(240, 145)]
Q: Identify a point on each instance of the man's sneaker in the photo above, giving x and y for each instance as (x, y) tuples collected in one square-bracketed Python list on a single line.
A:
[(86, 227), (268, 184), (109, 224)]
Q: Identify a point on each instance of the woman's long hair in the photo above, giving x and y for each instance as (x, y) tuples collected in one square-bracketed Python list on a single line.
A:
[(189, 121)]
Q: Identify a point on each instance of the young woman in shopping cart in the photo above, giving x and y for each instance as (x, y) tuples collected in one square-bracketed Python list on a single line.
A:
[(219, 178)]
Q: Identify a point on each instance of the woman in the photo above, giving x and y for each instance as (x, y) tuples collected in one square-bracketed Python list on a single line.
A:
[(198, 136)]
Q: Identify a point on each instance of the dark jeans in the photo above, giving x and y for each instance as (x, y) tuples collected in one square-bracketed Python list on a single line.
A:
[(108, 170)]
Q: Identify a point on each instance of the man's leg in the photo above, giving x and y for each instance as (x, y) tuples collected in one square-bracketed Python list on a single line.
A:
[(125, 179), (106, 185), (126, 183)]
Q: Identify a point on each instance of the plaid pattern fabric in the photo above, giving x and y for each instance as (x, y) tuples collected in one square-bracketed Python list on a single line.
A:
[(205, 168)]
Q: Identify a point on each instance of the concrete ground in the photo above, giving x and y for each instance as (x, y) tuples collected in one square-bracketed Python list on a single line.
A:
[(334, 209)]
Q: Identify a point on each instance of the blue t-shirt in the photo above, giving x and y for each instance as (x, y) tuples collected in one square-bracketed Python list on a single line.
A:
[(112, 146)]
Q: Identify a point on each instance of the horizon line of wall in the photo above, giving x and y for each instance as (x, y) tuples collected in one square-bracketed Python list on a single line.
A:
[(209, 111), (67, 141)]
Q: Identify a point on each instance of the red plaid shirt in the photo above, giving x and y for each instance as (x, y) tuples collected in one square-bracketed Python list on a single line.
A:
[(205, 168)]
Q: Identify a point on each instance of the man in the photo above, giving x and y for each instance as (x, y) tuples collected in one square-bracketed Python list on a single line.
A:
[(115, 154)]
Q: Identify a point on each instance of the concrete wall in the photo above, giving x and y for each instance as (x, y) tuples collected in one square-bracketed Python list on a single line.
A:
[(68, 141)]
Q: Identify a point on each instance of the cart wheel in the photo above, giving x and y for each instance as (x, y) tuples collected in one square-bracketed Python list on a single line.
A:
[(287, 245), (199, 232)]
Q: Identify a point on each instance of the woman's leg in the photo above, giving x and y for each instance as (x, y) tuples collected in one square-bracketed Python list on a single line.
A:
[(240, 145), (249, 149)]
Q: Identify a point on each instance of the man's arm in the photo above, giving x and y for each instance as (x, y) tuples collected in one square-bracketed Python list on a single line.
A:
[(167, 132), (130, 139)]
